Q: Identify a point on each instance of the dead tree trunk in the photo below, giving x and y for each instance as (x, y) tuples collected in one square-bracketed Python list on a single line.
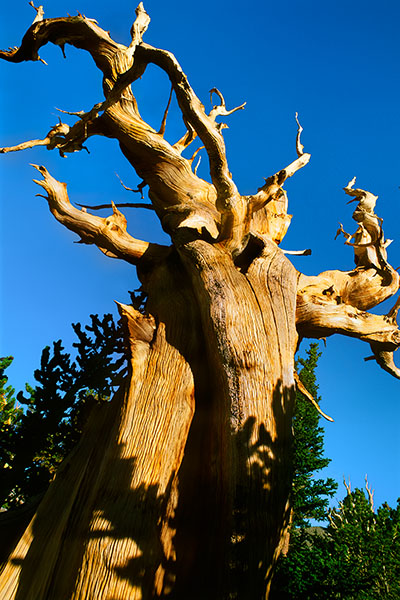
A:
[(180, 486)]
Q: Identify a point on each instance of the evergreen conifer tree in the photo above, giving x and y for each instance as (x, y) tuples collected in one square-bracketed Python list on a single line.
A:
[(34, 441), (357, 557), (310, 495), (10, 416)]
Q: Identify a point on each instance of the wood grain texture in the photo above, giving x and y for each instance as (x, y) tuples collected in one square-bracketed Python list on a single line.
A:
[(94, 534), (180, 487), (249, 325)]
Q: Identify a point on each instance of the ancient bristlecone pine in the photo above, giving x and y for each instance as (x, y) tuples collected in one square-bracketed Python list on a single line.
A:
[(180, 486)]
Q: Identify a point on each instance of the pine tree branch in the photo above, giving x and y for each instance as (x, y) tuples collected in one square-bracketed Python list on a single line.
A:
[(273, 184)]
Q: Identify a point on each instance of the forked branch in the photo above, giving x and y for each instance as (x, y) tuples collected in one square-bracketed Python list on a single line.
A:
[(216, 111), (336, 301), (193, 113), (180, 198), (232, 206), (53, 139), (220, 109)]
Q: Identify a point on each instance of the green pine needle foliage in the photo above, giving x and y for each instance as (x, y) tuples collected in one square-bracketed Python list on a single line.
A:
[(357, 555), (35, 439), (310, 494)]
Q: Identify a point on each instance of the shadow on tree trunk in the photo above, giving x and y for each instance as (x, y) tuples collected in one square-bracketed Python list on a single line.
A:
[(221, 540), (179, 487), (224, 543)]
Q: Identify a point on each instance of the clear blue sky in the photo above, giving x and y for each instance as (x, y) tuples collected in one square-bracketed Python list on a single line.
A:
[(336, 63)]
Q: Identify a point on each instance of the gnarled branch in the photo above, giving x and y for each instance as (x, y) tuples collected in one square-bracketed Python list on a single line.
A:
[(335, 301), (62, 137), (319, 316), (55, 136), (180, 198), (194, 113), (385, 359), (39, 12), (220, 109), (232, 206), (274, 183), (185, 140), (108, 234), (369, 242), (82, 32)]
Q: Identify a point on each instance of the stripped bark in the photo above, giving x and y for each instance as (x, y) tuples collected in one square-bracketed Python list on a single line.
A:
[(180, 487)]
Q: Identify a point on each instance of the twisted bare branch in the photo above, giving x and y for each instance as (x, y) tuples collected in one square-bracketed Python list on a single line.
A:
[(81, 32), (185, 140), (180, 198), (62, 137), (220, 109), (55, 136), (299, 145), (273, 184), (139, 27), (269, 206), (108, 234), (383, 353), (39, 12), (193, 112), (369, 241), (232, 206), (335, 301)]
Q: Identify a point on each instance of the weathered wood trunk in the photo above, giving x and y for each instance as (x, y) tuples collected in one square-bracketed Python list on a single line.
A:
[(180, 486)]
